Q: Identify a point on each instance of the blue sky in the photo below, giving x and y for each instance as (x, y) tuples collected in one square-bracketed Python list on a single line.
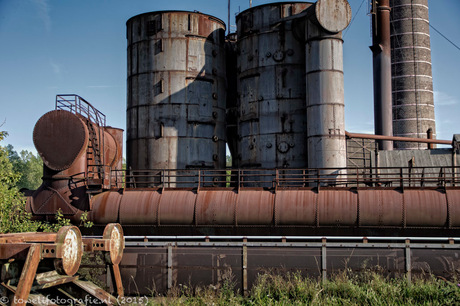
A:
[(51, 47)]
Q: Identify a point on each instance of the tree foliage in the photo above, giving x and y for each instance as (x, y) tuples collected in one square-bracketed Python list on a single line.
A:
[(28, 166), (13, 216)]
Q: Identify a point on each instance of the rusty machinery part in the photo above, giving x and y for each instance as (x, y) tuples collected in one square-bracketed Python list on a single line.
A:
[(113, 144), (113, 232), (70, 250), (60, 137), (303, 208)]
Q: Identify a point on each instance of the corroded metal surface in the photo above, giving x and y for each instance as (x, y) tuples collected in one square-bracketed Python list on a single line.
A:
[(113, 234), (176, 91), (60, 138), (70, 250), (29, 251), (303, 208), (333, 15), (271, 88), (413, 102), (79, 154)]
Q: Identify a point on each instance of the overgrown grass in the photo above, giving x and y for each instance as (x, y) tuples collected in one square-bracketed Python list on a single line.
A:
[(367, 288)]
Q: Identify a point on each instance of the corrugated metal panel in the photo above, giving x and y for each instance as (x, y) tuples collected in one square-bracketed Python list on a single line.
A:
[(422, 158)]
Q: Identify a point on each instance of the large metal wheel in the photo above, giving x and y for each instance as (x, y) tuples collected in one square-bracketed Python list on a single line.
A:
[(69, 250)]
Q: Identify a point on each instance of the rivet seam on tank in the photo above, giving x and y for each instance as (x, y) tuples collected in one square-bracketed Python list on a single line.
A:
[(215, 138), (214, 96)]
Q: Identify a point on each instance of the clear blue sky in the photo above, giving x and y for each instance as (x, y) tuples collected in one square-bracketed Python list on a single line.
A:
[(51, 47)]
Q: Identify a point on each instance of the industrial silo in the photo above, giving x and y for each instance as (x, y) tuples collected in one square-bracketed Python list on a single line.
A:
[(176, 91), (412, 82), (271, 87)]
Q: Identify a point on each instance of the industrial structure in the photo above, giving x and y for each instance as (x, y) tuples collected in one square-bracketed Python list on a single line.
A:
[(412, 82), (274, 93)]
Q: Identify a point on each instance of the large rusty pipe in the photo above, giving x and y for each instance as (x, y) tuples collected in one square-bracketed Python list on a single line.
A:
[(309, 208), (395, 138), (381, 53)]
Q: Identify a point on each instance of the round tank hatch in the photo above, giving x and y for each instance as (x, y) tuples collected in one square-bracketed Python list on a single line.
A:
[(333, 15), (60, 137)]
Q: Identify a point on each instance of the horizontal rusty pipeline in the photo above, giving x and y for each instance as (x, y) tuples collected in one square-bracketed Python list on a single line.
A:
[(394, 138), (349, 207)]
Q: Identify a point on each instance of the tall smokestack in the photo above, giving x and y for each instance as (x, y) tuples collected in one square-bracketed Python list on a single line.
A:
[(413, 103)]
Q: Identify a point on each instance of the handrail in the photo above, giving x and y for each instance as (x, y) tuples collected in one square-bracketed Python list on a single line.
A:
[(280, 178)]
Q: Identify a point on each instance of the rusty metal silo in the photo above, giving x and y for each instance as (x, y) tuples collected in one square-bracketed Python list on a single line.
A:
[(413, 103), (271, 87), (176, 91)]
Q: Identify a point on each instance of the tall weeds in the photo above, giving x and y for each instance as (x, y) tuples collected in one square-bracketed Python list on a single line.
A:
[(346, 288)]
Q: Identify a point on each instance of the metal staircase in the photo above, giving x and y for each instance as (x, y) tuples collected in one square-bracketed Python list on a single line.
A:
[(95, 121)]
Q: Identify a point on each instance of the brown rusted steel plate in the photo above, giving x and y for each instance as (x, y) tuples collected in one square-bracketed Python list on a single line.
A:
[(295, 207), (27, 275), (139, 207), (106, 207), (113, 234), (337, 207), (216, 207), (425, 208), (60, 137), (255, 207), (453, 200), (363, 207), (18, 251), (380, 208), (70, 250), (177, 207)]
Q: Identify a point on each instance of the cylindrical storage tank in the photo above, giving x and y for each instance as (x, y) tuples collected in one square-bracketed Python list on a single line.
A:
[(176, 91), (271, 88), (412, 82), (325, 87)]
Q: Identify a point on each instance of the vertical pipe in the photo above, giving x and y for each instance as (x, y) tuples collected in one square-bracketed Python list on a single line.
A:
[(381, 53), (229, 26)]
